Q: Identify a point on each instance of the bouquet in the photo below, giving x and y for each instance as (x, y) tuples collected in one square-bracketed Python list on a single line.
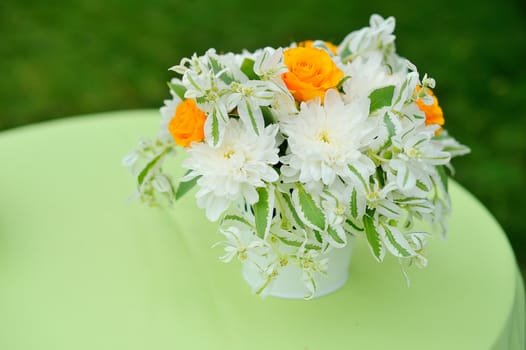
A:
[(294, 150)]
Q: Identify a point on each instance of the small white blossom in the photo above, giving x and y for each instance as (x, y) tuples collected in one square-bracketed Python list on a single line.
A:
[(248, 98), (241, 244), (414, 159), (269, 65)]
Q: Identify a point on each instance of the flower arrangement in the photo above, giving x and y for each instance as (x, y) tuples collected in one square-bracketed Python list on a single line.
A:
[(296, 149)]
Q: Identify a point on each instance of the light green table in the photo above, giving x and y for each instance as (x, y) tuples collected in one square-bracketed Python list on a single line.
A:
[(80, 268)]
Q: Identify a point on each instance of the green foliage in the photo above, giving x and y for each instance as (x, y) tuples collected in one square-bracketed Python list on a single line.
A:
[(236, 218), (263, 211), (148, 167), (381, 97), (247, 67), (373, 237), (179, 90), (184, 187), (215, 127), (312, 213)]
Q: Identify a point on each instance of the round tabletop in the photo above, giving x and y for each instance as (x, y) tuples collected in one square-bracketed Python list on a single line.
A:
[(81, 267)]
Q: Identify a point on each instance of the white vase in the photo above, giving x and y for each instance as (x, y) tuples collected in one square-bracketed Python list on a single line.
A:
[(289, 284)]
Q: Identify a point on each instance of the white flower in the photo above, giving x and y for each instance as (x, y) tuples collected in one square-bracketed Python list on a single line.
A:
[(414, 161), (380, 199), (269, 64), (312, 263), (284, 106), (367, 74), (195, 63), (378, 35), (325, 140), (418, 241), (233, 170), (241, 244), (248, 97)]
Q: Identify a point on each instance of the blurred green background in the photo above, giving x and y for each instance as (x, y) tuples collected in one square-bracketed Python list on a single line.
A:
[(60, 58)]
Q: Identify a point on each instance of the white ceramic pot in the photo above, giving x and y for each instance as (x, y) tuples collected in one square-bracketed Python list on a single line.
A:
[(289, 284)]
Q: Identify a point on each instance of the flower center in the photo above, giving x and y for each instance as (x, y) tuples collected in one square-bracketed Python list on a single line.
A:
[(414, 153), (372, 199), (228, 154), (324, 137), (340, 209)]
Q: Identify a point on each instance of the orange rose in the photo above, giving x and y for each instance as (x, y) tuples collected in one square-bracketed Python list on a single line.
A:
[(311, 73), (309, 43), (187, 124), (433, 112)]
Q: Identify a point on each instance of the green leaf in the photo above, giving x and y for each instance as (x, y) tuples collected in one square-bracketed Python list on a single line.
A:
[(381, 97), (380, 175), (360, 177), (287, 241), (263, 211), (312, 213), (215, 64), (293, 243), (410, 200), (334, 235), (268, 116), (218, 67), (186, 186), (178, 89), (144, 172), (339, 86), (354, 204), (252, 117), (394, 241), (404, 86), (317, 235), (442, 173), (346, 53), (373, 237), (215, 128), (292, 209), (247, 67), (353, 225), (422, 186), (232, 217), (391, 129)]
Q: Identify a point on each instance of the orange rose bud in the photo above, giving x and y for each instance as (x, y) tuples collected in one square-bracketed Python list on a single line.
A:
[(311, 73), (433, 112), (310, 43), (187, 124)]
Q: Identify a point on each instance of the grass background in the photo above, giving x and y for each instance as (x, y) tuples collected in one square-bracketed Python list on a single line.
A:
[(60, 58)]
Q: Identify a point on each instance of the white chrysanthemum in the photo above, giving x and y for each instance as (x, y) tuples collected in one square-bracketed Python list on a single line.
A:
[(325, 140), (234, 169)]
